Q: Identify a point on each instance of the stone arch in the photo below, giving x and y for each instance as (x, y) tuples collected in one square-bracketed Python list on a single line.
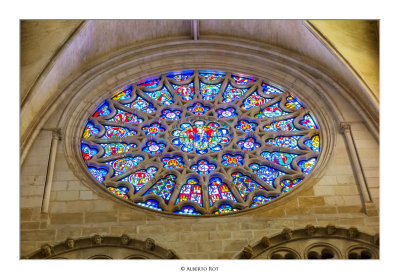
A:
[(103, 247), (312, 242)]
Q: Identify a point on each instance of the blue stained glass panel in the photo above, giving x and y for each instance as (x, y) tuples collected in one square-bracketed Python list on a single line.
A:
[(124, 164), (243, 80), (245, 184), (141, 104), (200, 136), (208, 92), (153, 129), (103, 110), (249, 144), (284, 159), (180, 76), (293, 102), (231, 160), (283, 125), (98, 173), (125, 117), (309, 122), (140, 178), (198, 109), (150, 83), (307, 165), (212, 75), (163, 96), (254, 100), (163, 187), (225, 209), (87, 152), (246, 126), (226, 113), (114, 132), (185, 91), (285, 142), (191, 191), (313, 143), (231, 93), (173, 162), (218, 190), (152, 204), (90, 130), (187, 210), (266, 173), (116, 148), (271, 112), (268, 89), (287, 184), (170, 114), (123, 94), (260, 200), (203, 167), (154, 148)]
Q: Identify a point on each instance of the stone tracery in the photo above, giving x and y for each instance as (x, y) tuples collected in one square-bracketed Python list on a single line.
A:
[(242, 136)]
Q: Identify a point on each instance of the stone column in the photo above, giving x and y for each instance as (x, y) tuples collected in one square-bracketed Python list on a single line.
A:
[(357, 168), (50, 170)]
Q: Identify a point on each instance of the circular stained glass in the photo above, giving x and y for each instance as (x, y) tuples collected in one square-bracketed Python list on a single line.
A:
[(201, 142)]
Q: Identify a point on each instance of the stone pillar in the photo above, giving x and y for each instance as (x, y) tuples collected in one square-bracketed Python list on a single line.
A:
[(50, 170), (357, 168)]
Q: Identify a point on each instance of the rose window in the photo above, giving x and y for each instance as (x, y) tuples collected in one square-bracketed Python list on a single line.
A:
[(201, 143)]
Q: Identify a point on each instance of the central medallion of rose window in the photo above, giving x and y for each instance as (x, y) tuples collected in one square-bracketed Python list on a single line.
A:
[(201, 136)]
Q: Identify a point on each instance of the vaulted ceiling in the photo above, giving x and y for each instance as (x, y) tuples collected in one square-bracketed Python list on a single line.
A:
[(354, 43)]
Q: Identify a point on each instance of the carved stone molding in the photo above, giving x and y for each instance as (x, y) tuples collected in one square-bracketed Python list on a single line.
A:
[(345, 127), (46, 250), (247, 252), (330, 229), (97, 239), (113, 247), (125, 239), (310, 230), (70, 243), (150, 244), (287, 234)]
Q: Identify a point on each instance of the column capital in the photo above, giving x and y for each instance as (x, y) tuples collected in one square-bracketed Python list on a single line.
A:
[(345, 127), (56, 134)]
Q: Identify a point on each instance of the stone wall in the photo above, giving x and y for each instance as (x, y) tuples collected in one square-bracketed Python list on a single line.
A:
[(76, 210)]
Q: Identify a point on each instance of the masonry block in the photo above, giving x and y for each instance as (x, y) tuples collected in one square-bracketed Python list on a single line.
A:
[(66, 218)]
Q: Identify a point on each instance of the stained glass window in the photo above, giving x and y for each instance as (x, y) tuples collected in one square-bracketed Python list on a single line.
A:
[(232, 160), (219, 190), (200, 142), (198, 109), (191, 191), (187, 210), (153, 129), (284, 159), (260, 200), (185, 91), (124, 164), (173, 162), (246, 126), (170, 115), (266, 173), (226, 113), (120, 191), (163, 187), (203, 167), (249, 144)]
